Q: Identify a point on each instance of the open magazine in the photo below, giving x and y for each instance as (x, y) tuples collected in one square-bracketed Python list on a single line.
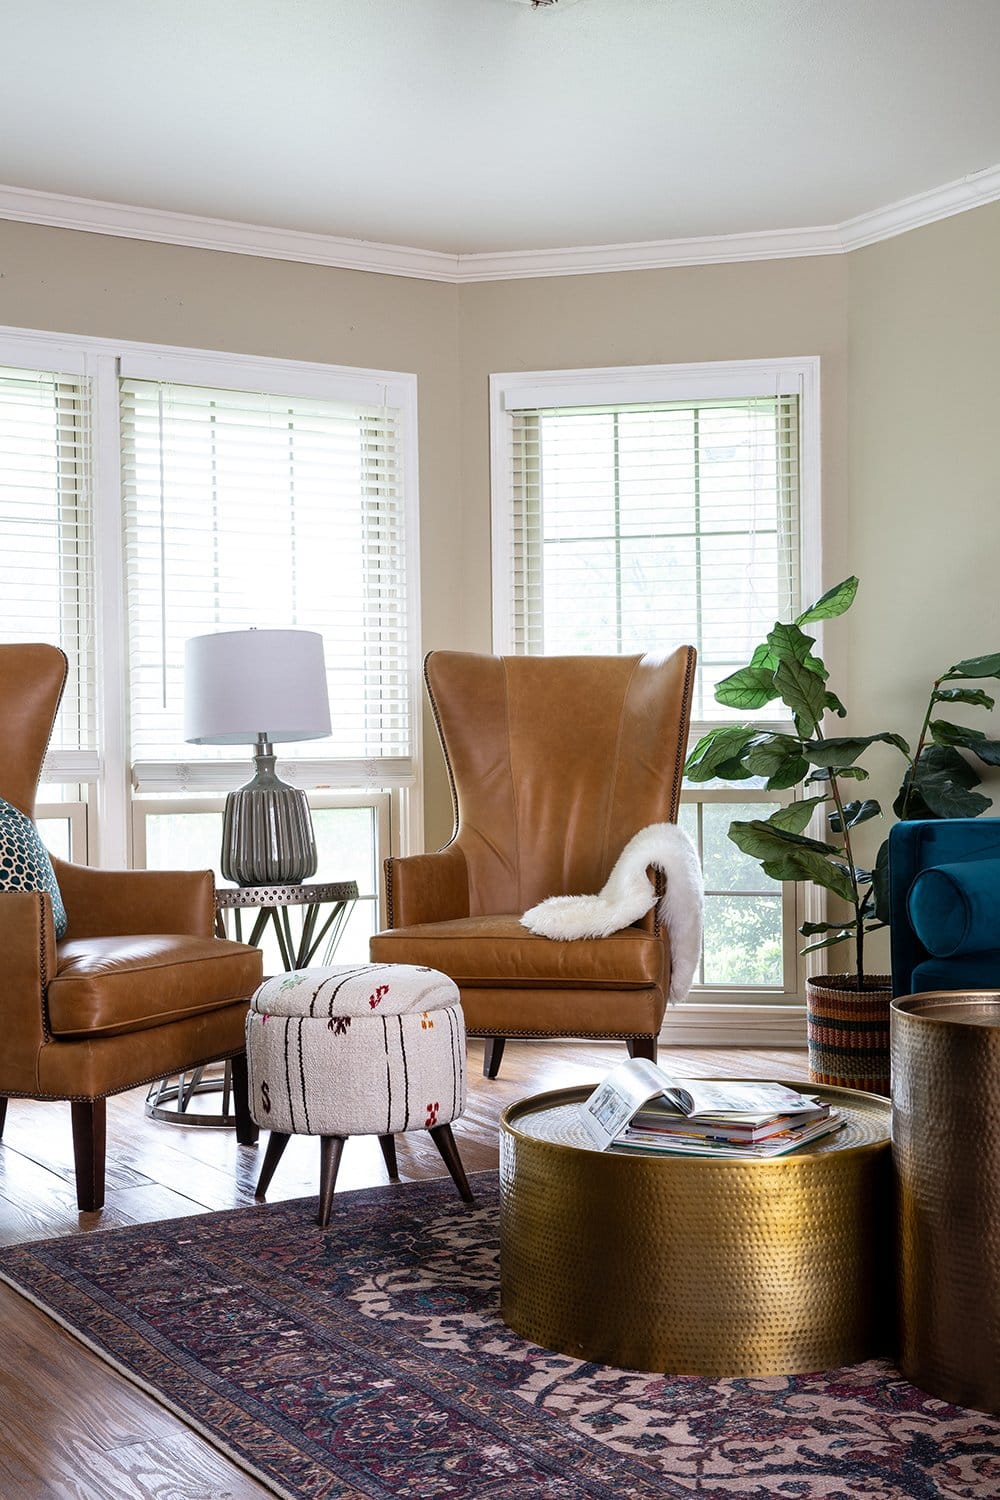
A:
[(627, 1088)]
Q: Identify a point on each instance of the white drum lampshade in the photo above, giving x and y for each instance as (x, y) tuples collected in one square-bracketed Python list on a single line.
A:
[(261, 687)]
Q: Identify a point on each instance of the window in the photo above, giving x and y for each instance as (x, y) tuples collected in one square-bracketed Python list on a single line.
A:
[(229, 492), (46, 538), (244, 509), (635, 510)]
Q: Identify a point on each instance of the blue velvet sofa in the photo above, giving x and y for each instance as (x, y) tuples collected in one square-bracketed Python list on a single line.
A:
[(944, 904)]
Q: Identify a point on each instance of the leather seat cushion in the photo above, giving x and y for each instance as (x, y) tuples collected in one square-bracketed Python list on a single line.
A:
[(108, 985), (497, 949)]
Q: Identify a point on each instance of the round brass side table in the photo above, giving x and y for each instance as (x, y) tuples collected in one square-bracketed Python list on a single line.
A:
[(946, 1154), (694, 1266)]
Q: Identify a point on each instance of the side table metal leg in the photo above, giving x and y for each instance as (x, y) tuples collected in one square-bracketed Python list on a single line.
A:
[(286, 945)]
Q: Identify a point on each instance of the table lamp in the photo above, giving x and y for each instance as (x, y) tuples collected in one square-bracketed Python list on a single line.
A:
[(260, 686)]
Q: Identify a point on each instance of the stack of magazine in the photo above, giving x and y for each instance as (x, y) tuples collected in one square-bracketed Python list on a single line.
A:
[(639, 1107)]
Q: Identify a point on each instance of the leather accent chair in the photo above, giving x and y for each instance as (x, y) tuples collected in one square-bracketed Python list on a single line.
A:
[(555, 763), (138, 988)]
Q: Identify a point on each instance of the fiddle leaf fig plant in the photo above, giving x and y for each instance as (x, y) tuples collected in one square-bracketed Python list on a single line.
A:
[(938, 781)]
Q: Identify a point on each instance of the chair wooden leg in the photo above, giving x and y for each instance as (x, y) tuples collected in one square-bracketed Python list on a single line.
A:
[(330, 1148), (246, 1127), (445, 1142), (492, 1053), (642, 1046), (275, 1150), (388, 1144), (3, 1116), (89, 1138)]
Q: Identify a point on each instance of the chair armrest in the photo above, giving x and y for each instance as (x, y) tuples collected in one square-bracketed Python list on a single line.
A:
[(651, 921), (113, 903), (427, 887), (28, 945)]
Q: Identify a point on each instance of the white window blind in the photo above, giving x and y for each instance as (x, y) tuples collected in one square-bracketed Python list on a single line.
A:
[(46, 543), (635, 528), (246, 509)]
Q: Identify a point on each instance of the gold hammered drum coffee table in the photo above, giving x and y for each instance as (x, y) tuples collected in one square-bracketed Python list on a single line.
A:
[(694, 1266)]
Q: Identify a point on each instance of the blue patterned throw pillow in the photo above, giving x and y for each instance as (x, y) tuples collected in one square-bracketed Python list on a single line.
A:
[(25, 863)]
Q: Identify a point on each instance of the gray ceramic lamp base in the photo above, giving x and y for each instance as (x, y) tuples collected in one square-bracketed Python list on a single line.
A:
[(267, 832)]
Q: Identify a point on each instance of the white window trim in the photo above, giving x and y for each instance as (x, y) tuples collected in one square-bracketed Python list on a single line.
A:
[(381, 802), (105, 360), (75, 814), (699, 1022)]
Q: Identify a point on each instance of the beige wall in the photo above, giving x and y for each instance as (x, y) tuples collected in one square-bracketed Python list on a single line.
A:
[(909, 337), (747, 311), (924, 475)]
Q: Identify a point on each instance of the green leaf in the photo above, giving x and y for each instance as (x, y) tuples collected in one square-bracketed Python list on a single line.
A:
[(834, 602), (804, 864), (855, 813), (952, 802), (842, 773), (942, 787), (796, 816), (975, 666), (978, 697), (944, 733), (778, 758), (749, 688), (810, 929), (834, 704), (830, 942), (763, 657), (803, 692), (719, 753), (761, 839), (844, 751), (789, 643)]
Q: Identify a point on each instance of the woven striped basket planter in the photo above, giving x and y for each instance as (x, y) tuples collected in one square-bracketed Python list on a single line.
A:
[(848, 1031)]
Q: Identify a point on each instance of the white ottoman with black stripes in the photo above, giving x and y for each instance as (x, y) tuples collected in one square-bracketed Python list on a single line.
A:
[(356, 1049)]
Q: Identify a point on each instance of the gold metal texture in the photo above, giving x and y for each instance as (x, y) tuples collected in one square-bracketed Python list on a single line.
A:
[(946, 1158), (694, 1266)]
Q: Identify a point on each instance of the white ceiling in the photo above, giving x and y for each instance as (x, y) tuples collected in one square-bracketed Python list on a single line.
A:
[(485, 125)]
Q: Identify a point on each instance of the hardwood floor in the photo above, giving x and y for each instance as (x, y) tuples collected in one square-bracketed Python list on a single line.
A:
[(69, 1425)]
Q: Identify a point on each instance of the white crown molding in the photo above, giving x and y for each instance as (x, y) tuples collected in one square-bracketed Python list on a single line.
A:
[(956, 197), (650, 255), (125, 221), (91, 216)]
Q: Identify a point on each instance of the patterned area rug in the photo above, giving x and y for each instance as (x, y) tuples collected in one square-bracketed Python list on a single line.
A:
[(369, 1361)]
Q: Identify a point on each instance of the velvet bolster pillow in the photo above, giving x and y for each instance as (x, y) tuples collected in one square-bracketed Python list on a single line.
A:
[(955, 908)]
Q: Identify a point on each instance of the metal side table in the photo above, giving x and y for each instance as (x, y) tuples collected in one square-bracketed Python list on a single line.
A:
[(170, 1099)]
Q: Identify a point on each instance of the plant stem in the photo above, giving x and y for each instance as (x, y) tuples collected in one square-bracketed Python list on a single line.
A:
[(859, 931), (921, 741)]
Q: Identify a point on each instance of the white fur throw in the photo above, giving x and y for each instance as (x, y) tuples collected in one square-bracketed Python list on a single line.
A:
[(628, 895)]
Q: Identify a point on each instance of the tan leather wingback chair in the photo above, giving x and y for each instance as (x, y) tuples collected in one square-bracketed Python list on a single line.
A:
[(138, 989), (555, 762)]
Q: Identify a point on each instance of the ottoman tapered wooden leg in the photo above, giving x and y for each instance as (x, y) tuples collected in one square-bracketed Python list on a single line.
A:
[(330, 1148), (445, 1142), (388, 1144), (272, 1156)]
